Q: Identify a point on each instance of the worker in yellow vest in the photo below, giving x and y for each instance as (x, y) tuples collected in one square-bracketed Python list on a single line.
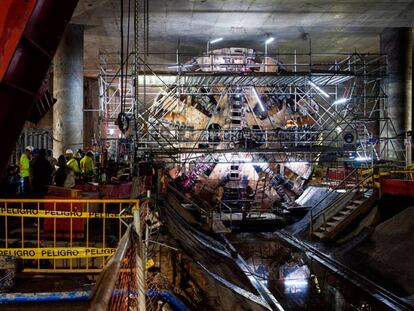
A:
[(87, 167), (71, 162), (24, 169)]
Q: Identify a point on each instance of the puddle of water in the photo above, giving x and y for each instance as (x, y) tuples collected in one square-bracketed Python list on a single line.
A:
[(296, 281)]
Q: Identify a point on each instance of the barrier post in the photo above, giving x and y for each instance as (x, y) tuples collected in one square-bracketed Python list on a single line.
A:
[(139, 260)]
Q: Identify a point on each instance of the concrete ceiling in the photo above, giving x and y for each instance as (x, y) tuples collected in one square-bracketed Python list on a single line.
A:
[(333, 26)]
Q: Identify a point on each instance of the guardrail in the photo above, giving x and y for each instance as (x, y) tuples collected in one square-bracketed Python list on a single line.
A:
[(357, 185), (221, 204), (368, 179), (63, 235), (123, 283), (122, 277)]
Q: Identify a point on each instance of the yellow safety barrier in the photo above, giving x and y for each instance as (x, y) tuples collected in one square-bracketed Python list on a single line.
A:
[(385, 173), (57, 253), (63, 235), (18, 211)]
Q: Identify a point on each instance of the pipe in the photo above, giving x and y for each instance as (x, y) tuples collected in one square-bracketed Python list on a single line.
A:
[(174, 302), (44, 297), (102, 292), (408, 91)]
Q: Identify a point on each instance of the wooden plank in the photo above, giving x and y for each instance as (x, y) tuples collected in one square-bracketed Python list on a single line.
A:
[(357, 201), (64, 192), (332, 223), (351, 207), (320, 235)]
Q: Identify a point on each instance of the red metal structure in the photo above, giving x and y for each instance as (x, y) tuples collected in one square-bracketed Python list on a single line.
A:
[(397, 187), (30, 32)]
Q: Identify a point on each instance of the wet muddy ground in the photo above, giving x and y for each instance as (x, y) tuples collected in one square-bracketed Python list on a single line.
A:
[(296, 281)]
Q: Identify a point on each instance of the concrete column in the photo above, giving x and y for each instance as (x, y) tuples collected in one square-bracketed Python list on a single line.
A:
[(397, 44), (68, 90), (91, 112)]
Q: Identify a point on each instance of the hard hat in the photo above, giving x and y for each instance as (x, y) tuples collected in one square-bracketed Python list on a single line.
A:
[(69, 151), (30, 148)]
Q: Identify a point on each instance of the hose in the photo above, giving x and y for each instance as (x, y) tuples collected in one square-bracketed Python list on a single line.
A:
[(44, 297), (174, 302)]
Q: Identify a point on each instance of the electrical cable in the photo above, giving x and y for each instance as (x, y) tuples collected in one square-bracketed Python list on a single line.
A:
[(122, 55), (127, 40)]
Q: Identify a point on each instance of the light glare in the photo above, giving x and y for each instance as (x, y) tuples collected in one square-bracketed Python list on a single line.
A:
[(258, 98), (340, 101), (269, 40), (180, 66), (362, 159), (319, 89), (216, 40), (298, 283)]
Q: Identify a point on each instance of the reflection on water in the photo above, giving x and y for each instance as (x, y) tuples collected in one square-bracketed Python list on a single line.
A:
[(295, 277), (297, 282)]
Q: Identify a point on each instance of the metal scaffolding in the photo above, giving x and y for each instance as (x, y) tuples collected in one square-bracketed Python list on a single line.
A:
[(342, 97)]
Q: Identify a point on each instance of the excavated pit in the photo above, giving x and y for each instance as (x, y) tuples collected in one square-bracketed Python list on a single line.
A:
[(271, 258)]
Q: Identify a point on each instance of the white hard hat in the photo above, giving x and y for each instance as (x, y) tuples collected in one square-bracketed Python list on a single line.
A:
[(69, 151), (30, 148)]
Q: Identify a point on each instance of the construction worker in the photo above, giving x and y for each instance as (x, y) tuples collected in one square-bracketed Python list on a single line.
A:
[(164, 183), (87, 167), (52, 160), (72, 162), (218, 196), (78, 156), (24, 171), (42, 173), (64, 177)]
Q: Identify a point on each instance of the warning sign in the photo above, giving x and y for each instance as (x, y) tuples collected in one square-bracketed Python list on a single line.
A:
[(57, 253), (150, 263), (27, 212)]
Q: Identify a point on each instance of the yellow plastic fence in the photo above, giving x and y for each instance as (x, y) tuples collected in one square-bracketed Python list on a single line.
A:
[(408, 173), (62, 235)]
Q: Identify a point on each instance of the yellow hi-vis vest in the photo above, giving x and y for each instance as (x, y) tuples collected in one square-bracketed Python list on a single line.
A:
[(24, 166), (73, 164), (87, 166)]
